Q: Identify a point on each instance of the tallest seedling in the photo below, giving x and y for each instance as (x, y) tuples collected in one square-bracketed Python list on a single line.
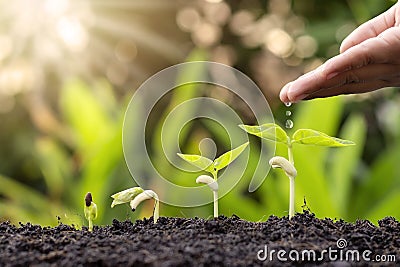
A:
[(273, 132)]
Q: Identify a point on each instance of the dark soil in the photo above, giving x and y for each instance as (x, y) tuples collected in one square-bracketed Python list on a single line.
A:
[(200, 242)]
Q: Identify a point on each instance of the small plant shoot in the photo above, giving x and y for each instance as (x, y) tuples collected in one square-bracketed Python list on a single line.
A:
[(90, 210), (273, 132), (135, 196), (213, 166)]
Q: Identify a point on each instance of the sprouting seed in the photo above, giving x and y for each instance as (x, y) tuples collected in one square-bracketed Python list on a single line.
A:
[(213, 166), (134, 196), (90, 210)]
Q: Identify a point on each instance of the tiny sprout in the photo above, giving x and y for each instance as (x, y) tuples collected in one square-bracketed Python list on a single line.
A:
[(284, 164), (90, 210), (145, 195), (213, 184), (290, 170), (135, 196), (125, 196), (213, 166)]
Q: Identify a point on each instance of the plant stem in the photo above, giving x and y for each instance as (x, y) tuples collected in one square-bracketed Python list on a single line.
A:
[(290, 154), (90, 225), (292, 184), (215, 193), (156, 213), (291, 200)]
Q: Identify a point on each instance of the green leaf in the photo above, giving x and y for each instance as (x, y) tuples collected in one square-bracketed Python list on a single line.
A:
[(268, 131), (313, 137), (200, 162), (226, 158), (382, 180), (125, 196)]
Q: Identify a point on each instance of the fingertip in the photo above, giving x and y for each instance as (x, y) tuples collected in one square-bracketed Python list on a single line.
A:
[(283, 95)]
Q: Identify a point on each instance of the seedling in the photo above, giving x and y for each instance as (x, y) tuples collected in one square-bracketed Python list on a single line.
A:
[(273, 132), (213, 167), (135, 196), (90, 210)]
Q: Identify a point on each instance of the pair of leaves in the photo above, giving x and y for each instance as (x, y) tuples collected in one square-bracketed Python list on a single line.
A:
[(273, 132), (125, 196), (219, 163)]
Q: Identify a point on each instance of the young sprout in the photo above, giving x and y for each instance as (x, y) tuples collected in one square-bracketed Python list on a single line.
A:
[(147, 194), (213, 185), (135, 196), (290, 170), (213, 167), (273, 132), (125, 196), (90, 210)]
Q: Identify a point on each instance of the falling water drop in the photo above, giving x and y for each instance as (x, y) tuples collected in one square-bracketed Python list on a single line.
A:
[(288, 104), (288, 113), (289, 124)]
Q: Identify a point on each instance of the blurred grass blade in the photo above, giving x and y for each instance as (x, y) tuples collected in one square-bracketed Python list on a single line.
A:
[(55, 166), (28, 201), (344, 164), (386, 206), (383, 179), (85, 114)]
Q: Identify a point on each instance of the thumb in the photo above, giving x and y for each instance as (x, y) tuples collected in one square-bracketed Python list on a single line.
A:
[(371, 28)]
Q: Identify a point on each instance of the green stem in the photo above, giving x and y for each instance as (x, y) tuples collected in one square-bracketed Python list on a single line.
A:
[(290, 154), (215, 193), (156, 213), (292, 184), (90, 225), (291, 200)]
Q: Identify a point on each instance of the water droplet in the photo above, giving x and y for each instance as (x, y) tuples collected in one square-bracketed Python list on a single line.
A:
[(288, 113), (289, 124), (288, 104)]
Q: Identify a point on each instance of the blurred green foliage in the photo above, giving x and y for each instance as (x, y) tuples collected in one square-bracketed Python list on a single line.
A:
[(47, 174)]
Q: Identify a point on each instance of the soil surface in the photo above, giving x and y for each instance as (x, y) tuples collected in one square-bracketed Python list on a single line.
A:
[(200, 242)]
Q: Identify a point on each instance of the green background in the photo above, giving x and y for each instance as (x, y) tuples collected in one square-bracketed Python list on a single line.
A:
[(63, 94)]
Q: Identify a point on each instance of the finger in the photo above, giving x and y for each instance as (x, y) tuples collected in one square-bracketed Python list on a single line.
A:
[(311, 84), (283, 94), (379, 49), (306, 84), (356, 88), (370, 29)]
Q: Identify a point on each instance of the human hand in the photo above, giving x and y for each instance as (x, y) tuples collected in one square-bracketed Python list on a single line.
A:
[(369, 59)]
